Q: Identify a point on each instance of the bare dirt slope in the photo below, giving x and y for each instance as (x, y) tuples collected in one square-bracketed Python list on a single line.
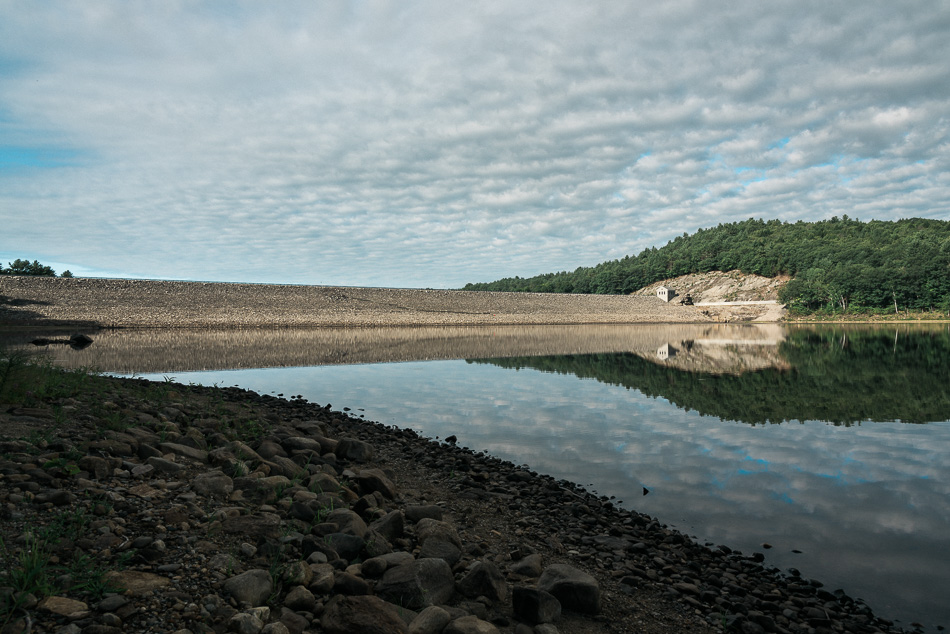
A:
[(719, 294), (31, 301)]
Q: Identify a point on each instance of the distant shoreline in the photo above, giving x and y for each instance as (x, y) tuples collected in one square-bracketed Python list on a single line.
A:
[(103, 303)]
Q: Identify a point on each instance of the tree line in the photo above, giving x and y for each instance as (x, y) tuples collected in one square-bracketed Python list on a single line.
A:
[(25, 267), (835, 376), (835, 264)]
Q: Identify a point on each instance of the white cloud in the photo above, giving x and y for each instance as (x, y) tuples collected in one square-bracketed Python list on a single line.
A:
[(396, 143)]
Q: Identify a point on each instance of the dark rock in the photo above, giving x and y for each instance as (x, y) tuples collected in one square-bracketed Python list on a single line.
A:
[(431, 620), (530, 566), (261, 526), (370, 480), (348, 547), (417, 584), (252, 587), (348, 522), (416, 512), (484, 580), (534, 606), (212, 484), (355, 450), (184, 451), (390, 525), (346, 583), (363, 614), (470, 625), (575, 589)]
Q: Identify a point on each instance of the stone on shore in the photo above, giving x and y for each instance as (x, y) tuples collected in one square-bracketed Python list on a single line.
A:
[(418, 584), (363, 614), (574, 588), (534, 606), (252, 587)]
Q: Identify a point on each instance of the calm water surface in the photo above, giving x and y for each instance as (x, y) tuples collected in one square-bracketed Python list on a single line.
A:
[(828, 445)]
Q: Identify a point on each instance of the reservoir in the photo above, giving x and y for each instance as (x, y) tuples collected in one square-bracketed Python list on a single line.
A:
[(824, 448)]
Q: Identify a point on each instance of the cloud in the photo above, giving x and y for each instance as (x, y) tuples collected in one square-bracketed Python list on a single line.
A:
[(409, 145)]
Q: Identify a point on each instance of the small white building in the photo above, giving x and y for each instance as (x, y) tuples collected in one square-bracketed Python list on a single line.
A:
[(665, 293), (666, 351)]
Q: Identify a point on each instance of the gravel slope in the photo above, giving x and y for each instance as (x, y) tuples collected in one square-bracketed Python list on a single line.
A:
[(152, 303)]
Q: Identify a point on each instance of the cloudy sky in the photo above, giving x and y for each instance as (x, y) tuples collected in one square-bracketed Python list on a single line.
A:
[(429, 144)]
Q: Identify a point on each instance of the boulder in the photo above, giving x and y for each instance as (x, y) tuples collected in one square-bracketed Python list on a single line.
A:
[(214, 484), (252, 587), (470, 625), (432, 620), (534, 606), (575, 589), (484, 580), (417, 584), (364, 614), (370, 480), (355, 450)]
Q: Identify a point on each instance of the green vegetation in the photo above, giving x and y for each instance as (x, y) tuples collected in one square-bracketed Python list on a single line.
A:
[(25, 267), (836, 264), (29, 381), (842, 376)]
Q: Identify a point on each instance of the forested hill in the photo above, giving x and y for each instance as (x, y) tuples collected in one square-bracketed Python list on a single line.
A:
[(836, 263)]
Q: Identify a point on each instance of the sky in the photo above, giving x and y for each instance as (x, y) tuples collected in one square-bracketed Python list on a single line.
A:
[(429, 144)]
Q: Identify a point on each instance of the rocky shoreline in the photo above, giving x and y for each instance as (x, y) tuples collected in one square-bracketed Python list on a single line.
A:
[(158, 507)]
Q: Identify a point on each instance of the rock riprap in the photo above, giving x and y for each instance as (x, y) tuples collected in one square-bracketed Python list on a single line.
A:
[(148, 507)]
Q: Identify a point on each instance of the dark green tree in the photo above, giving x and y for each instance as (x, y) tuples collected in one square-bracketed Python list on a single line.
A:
[(25, 267)]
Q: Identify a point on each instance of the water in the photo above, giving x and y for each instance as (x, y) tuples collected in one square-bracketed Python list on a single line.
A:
[(828, 445)]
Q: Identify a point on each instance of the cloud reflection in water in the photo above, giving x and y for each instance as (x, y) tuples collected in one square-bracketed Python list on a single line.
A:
[(868, 505)]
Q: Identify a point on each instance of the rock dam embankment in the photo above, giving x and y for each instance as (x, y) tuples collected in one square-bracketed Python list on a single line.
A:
[(39, 301)]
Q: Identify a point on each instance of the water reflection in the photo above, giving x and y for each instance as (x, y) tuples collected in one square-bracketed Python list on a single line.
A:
[(715, 348), (839, 375), (868, 506), (621, 407)]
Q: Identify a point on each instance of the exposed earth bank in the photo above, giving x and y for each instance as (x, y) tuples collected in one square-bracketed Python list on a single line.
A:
[(164, 304), (221, 510), (152, 303)]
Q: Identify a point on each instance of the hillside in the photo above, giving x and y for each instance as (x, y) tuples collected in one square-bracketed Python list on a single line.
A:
[(833, 264)]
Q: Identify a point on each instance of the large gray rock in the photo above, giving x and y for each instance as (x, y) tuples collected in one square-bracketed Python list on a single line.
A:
[(534, 606), (281, 465), (198, 455), (165, 466), (263, 525), (347, 522), (390, 525), (355, 450), (417, 584), (242, 623), (416, 512), (432, 620), (371, 480), (484, 580), (213, 484), (301, 443), (300, 598), (363, 614), (530, 566), (348, 547), (470, 625), (252, 587), (438, 540), (575, 589)]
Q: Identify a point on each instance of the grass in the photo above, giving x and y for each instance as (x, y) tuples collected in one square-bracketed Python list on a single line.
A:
[(34, 568), (28, 380), (33, 572)]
